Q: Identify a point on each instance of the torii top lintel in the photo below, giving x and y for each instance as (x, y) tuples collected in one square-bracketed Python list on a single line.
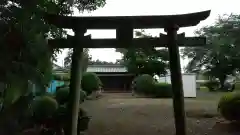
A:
[(136, 22)]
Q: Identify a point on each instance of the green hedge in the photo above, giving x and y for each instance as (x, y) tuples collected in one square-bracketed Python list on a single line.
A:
[(237, 86), (146, 85), (200, 84), (162, 90), (229, 107), (212, 85)]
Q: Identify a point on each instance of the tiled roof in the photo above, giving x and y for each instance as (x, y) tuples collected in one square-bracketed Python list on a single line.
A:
[(99, 68), (106, 68)]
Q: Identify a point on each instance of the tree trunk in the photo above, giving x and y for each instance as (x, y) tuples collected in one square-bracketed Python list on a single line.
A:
[(222, 80)]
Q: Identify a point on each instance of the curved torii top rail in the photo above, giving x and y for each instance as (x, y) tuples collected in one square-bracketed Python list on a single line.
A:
[(125, 26), (136, 22)]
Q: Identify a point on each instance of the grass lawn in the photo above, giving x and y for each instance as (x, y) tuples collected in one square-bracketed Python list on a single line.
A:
[(122, 114)]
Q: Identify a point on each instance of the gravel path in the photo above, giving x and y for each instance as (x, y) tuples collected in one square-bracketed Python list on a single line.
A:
[(121, 114)]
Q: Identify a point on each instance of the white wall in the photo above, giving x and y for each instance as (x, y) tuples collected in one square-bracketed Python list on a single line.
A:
[(189, 84)]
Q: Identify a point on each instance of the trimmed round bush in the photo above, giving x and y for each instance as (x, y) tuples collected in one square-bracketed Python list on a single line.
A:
[(229, 107), (90, 82), (62, 95), (143, 84), (44, 107)]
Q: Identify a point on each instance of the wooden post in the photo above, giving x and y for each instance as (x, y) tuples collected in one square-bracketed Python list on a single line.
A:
[(75, 83), (124, 35), (176, 80)]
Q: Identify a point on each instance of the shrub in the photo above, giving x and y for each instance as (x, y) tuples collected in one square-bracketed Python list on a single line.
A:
[(200, 84), (83, 96), (47, 94), (143, 84), (44, 107), (47, 112), (61, 77), (146, 85), (229, 108), (162, 90), (62, 86), (212, 85), (62, 95), (90, 82), (83, 120)]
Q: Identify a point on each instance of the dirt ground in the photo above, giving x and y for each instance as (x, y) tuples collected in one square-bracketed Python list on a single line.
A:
[(122, 114)]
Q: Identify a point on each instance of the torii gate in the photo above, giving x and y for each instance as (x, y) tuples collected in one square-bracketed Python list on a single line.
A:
[(124, 26)]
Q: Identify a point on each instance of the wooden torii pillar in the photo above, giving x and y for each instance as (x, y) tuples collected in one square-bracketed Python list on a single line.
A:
[(124, 26), (75, 80)]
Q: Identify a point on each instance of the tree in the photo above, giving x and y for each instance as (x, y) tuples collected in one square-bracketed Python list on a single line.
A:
[(145, 60), (86, 58), (221, 56), (98, 62), (24, 48), (24, 52)]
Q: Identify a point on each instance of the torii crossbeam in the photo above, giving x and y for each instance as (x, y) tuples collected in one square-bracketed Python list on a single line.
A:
[(124, 26), (136, 42)]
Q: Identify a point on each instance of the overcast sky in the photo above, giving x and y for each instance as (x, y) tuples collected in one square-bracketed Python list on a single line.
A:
[(153, 7)]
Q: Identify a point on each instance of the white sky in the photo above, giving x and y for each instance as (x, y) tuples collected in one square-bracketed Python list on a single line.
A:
[(153, 7)]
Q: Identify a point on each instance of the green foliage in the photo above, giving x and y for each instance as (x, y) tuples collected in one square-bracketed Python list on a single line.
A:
[(89, 5), (62, 86), (90, 82), (51, 114), (61, 77), (212, 85), (221, 56), (98, 62), (146, 85), (145, 60), (228, 106), (85, 60), (23, 38), (83, 120), (143, 84), (44, 107), (14, 91), (62, 95), (83, 96), (237, 86), (162, 90), (25, 52), (23, 43)]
